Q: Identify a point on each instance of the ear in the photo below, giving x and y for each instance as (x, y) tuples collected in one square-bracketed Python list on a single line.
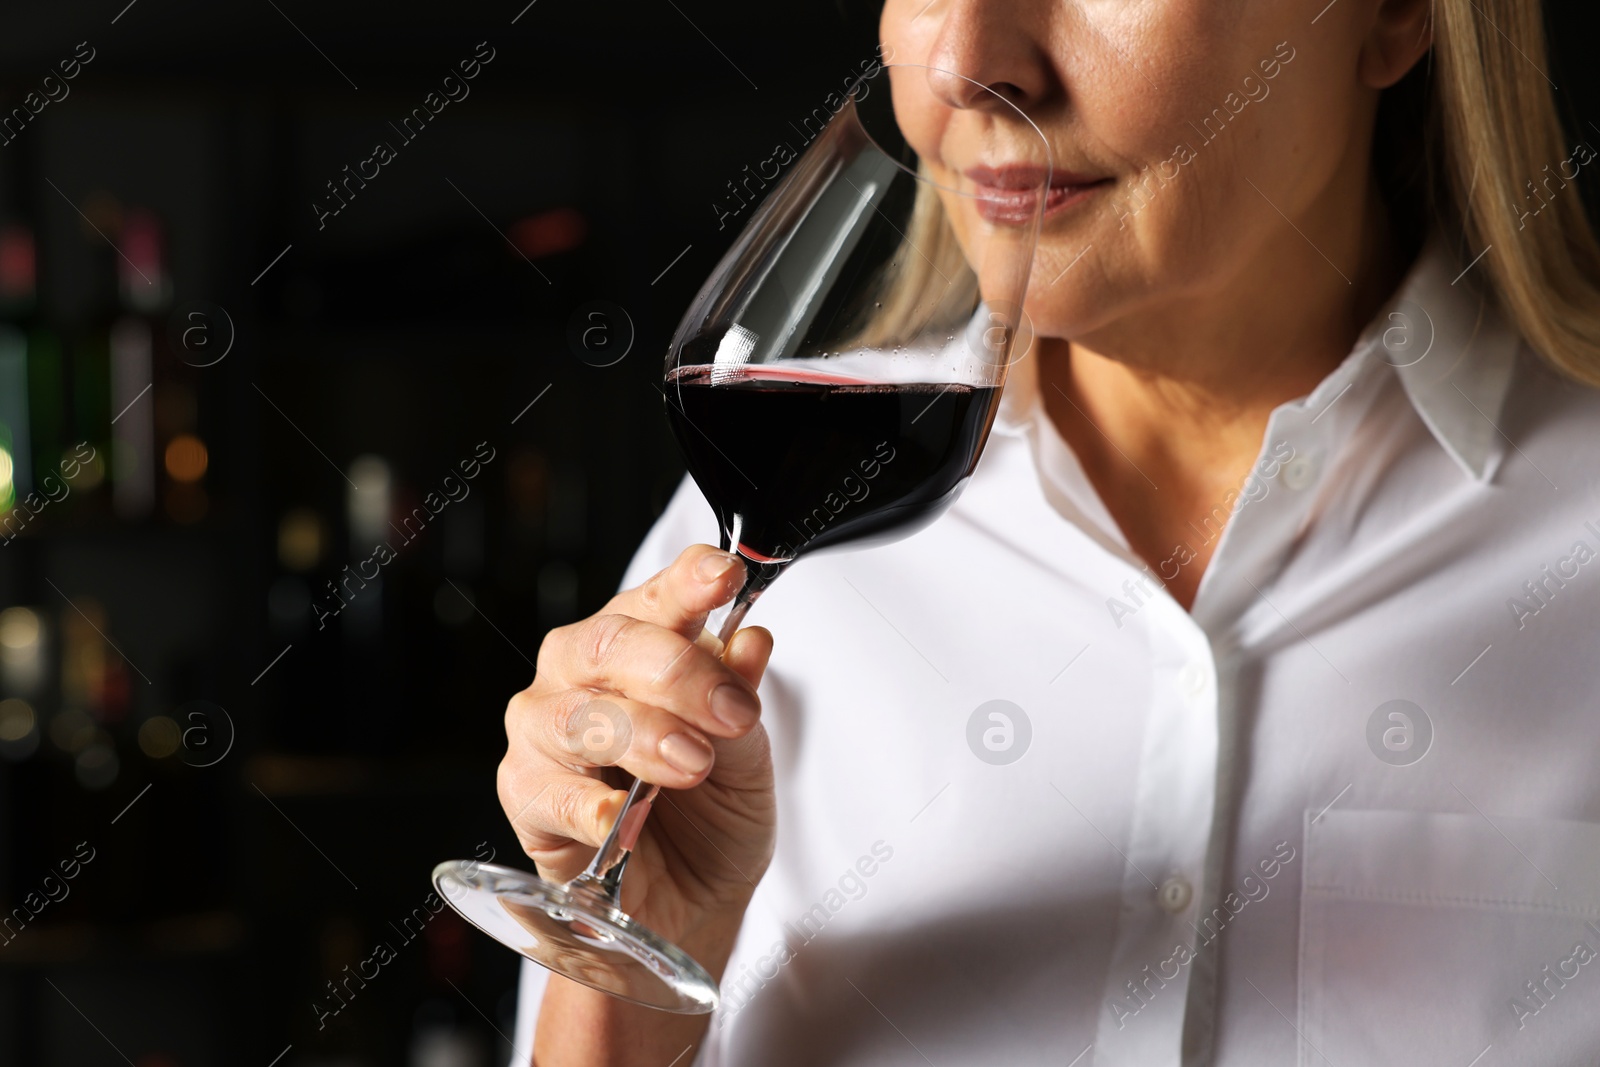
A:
[(1401, 34)]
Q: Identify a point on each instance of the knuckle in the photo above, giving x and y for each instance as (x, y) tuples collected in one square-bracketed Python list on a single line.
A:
[(504, 785), (595, 730), (511, 786), (517, 709), (550, 650), (651, 593), (603, 638), (534, 814), (561, 806), (565, 810), (564, 718)]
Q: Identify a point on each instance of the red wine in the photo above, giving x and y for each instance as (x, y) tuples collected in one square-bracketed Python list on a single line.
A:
[(794, 460)]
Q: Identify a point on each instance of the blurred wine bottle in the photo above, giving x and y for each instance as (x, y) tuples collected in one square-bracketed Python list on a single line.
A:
[(88, 369), (143, 292), (17, 301)]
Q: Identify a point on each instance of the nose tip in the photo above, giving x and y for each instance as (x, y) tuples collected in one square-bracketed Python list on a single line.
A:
[(954, 90), (958, 91)]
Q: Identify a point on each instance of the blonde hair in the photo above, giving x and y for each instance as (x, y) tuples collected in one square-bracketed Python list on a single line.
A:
[(1492, 135), (926, 285)]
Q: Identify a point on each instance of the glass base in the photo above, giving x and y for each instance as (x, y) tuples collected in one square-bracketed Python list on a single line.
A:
[(577, 933)]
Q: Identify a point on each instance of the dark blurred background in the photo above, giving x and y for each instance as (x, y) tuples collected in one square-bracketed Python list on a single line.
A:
[(263, 797), (230, 755)]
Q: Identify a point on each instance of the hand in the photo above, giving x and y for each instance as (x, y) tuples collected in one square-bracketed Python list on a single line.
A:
[(642, 686)]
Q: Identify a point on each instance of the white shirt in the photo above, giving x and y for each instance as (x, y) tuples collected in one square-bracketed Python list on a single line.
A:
[(1218, 840)]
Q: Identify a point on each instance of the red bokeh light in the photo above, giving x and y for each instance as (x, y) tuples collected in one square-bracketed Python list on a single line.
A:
[(549, 232)]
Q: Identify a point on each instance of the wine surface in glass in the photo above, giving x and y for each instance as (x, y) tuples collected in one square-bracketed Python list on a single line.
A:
[(794, 459)]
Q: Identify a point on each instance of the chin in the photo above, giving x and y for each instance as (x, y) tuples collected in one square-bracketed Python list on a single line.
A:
[(1059, 328), (1078, 304)]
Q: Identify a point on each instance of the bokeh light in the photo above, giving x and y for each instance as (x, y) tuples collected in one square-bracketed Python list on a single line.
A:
[(17, 719), (186, 458), (8, 489), (159, 737), (369, 500), (91, 472), (301, 540), (21, 650), (19, 628)]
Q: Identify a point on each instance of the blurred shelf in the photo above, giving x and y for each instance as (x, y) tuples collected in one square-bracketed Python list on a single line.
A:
[(195, 934), (282, 774)]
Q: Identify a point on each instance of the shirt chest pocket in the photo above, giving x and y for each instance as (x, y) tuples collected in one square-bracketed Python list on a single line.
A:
[(1428, 938)]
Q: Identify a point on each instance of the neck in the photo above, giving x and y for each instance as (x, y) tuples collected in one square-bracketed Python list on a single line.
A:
[(1167, 408), (1167, 385)]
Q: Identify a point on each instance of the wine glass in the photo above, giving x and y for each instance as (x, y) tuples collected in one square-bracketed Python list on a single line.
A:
[(832, 383)]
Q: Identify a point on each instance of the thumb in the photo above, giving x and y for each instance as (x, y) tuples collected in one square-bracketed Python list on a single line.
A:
[(684, 593)]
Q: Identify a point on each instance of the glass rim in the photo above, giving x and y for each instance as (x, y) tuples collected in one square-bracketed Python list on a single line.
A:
[(860, 79)]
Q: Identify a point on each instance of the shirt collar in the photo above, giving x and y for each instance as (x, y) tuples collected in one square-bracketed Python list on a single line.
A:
[(1453, 353)]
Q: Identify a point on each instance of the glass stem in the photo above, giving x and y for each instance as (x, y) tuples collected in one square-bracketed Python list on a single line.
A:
[(604, 873), (740, 606)]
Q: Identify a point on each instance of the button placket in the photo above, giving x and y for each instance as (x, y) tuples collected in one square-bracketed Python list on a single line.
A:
[(1142, 1017)]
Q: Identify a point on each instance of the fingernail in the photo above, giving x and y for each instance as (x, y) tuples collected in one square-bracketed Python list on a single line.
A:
[(734, 707), (689, 754), (714, 566)]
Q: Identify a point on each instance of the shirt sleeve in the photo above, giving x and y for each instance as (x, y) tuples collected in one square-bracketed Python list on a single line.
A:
[(686, 520)]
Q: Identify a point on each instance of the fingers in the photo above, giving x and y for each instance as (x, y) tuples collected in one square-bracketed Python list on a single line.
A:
[(583, 729), (747, 653), (641, 686), (653, 665), (550, 807), (559, 817), (681, 596)]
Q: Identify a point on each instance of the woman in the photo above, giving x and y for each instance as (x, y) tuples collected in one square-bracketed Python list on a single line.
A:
[(1238, 712)]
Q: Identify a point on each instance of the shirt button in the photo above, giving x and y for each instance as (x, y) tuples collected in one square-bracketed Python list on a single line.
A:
[(1175, 894), (1299, 472), (1192, 679)]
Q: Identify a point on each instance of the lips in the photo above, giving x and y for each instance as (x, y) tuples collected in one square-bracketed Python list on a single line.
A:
[(1010, 194)]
